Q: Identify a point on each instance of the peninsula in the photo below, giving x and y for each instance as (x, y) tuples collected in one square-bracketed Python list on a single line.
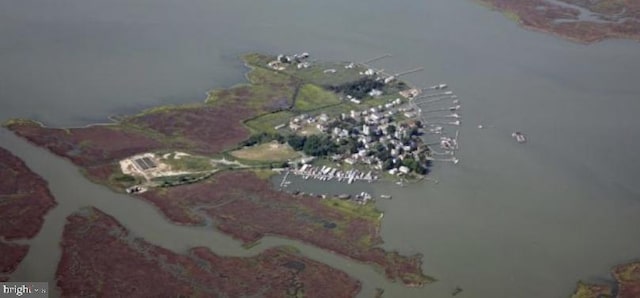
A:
[(24, 200), (578, 20), (207, 164), (627, 279)]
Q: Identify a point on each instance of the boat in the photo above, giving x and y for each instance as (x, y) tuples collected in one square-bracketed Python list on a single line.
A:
[(520, 138), (344, 196), (388, 197), (456, 291)]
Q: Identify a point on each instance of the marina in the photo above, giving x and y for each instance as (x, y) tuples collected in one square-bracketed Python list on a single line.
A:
[(442, 149), (491, 211), (326, 173)]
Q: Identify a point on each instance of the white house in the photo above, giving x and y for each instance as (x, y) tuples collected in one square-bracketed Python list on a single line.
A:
[(404, 170)]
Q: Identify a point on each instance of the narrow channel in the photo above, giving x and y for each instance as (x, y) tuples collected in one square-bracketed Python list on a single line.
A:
[(73, 191)]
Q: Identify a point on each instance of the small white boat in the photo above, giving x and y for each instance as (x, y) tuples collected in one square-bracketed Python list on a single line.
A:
[(520, 138)]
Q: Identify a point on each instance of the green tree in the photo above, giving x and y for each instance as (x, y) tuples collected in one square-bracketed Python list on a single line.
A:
[(410, 163), (387, 164), (296, 142)]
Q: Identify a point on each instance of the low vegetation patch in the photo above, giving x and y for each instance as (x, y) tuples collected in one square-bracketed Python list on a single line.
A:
[(190, 163), (268, 122), (312, 97), (272, 151)]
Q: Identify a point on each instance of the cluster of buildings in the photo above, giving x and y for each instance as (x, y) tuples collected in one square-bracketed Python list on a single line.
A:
[(305, 120), (379, 141), (385, 144), (282, 61)]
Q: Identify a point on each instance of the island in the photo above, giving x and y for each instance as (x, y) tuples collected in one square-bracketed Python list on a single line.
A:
[(208, 164), (627, 279), (135, 268), (24, 200), (582, 21)]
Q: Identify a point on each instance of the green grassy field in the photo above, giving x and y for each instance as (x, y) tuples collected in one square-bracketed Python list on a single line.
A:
[(267, 90), (311, 97), (367, 211), (267, 122), (316, 75), (266, 152), (189, 163)]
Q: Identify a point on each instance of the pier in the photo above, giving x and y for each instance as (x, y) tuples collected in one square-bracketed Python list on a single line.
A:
[(453, 108), (284, 182), (434, 119), (409, 71), (434, 95), (431, 99), (325, 173), (376, 59)]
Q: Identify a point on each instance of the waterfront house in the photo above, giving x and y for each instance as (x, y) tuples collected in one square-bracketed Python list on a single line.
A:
[(389, 79), (404, 170), (375, 93), (294, 126)]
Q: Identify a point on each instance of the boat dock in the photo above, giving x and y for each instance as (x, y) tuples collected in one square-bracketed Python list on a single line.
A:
[(452, 108), (284, 182), (376, 59), (417, 69), (436, 120), (325, 173)]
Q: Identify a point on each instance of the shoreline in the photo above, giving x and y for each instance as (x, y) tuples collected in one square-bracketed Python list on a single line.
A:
[(546, 24), (95, 150)]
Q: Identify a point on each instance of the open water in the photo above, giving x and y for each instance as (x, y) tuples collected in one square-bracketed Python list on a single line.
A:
[(510, 220)]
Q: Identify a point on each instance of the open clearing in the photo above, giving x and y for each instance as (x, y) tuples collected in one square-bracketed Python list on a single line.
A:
[(313, 97), (273, 151)]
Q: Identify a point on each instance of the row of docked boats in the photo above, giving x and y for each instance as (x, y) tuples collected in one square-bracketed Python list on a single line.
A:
[(326, 173)]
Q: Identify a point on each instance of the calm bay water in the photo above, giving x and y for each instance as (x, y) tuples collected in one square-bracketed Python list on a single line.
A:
[(509, 221)]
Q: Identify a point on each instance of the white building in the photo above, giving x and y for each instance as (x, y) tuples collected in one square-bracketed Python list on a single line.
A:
[(375, 93), (294, 126), (366, 130), (404, 170)]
